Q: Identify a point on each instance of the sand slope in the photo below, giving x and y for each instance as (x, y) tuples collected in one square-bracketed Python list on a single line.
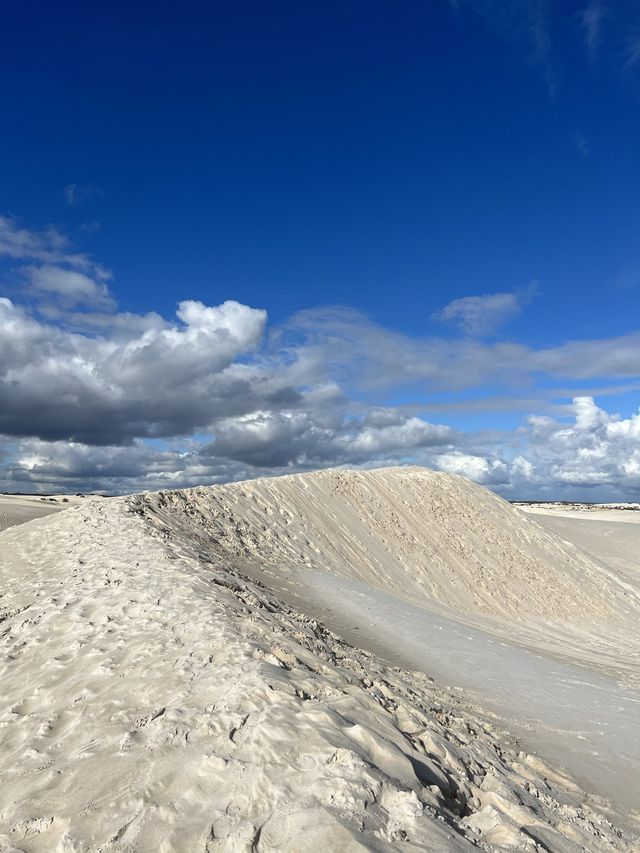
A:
[(155, 702), (610, 535), (412, 530), (16, 509), (436, 539)]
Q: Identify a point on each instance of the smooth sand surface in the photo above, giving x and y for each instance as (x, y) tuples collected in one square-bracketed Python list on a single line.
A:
[(155, 697), (624, 513), (610, 535), (582, 720), (16, 509)]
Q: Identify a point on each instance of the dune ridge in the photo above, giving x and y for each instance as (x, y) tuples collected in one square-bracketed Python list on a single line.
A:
[(434, 538), (155, 698)]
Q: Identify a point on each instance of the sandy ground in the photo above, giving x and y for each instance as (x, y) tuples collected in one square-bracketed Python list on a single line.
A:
[(436, 540), (583, 721), (156, 697), (609, 534), (624, 513), (16, 509)]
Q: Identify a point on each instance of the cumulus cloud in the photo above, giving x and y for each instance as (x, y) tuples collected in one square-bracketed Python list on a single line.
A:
[(244, 447), (91, 397), (483, 315), (597, 449), (162, 380), (62, 466), (476, 468), (593, 456), (318, 436)]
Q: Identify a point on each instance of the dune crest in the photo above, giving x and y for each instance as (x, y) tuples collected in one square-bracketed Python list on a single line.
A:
[(155, 698), (434, 538)]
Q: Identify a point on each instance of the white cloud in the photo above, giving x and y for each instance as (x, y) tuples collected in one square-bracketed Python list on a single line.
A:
[(74, 467), (483, 315), (83, 388), (316, 436), (156, 379), (387, 431), (70, 286), (49, 246), (522, 469), (476, 468), (20, 243), (595, 456), (373, 357), (596, 449)]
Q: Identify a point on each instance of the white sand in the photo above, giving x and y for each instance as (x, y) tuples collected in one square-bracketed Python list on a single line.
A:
[(435, 539), (154, 698), (608, 533), (625, 513), (16, 509)]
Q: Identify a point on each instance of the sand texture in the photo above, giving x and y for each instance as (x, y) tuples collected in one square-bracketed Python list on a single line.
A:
[(436, 539), (156, 698), (16, 509)]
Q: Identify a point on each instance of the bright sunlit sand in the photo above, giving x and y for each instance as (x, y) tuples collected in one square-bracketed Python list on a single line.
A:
[(355, 660), (320, 427)]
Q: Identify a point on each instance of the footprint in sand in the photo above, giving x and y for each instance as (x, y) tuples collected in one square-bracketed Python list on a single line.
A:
[(276, 829), (305, 762), (231, 833)]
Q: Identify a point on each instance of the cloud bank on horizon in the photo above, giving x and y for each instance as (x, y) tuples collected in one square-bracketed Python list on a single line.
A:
[(343, 237), (93, 398)]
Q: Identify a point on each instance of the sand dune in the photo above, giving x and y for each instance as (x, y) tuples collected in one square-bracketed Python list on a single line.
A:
[(16, 509), (436, 539), (155, 698), (609, 534)]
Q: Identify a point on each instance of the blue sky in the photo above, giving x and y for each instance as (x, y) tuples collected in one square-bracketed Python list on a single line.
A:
[(436, 206)]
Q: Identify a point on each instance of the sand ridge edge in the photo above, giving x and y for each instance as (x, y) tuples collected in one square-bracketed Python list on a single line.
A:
[(173, 704)]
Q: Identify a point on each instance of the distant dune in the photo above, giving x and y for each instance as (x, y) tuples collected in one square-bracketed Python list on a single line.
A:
[(159, 695), (16, 509)]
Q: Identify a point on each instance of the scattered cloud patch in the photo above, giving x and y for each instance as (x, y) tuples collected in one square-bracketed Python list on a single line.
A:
[(68, 286), (95, 398), (482, 315), (592, 19), (48, 246)]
